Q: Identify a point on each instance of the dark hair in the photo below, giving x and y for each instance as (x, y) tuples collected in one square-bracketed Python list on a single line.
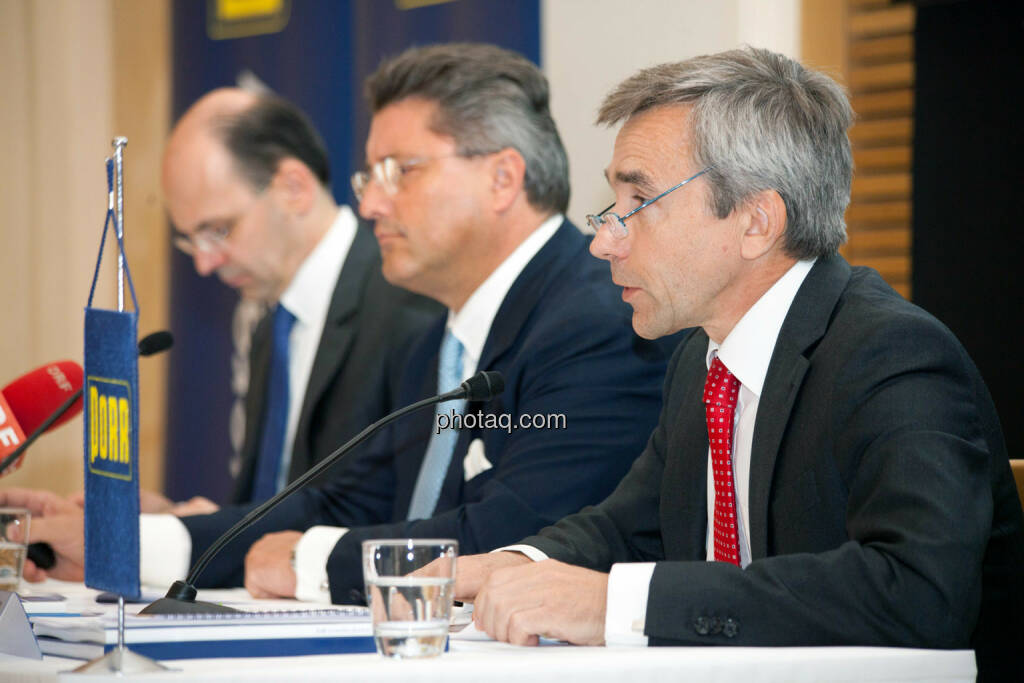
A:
[(272, 129), (761, 121), (488, 99)]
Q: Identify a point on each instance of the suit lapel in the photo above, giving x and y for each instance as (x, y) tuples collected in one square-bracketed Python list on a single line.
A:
[(520, 301), (339, 332), (805, 324), (527, 289)]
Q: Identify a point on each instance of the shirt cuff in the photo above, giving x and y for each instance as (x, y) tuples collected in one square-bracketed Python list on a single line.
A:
[(534, 554), (626, 613), (311, 553), (165, 548)]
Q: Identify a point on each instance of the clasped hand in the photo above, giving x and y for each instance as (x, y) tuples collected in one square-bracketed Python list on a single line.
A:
[(516, 600)]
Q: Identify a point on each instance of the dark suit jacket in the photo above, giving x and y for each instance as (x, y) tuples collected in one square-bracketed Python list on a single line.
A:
[(564, 342), (882, 508), (369, 326)]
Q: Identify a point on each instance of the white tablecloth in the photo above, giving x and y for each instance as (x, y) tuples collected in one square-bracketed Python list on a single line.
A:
[(474, 661)]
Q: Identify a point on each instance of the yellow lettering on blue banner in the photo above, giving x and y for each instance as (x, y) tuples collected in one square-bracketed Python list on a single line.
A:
[(110, 427)]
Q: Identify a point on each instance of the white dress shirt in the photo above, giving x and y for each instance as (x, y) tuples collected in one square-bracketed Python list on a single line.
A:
[(308, 298), (471, 325), (746, 352)]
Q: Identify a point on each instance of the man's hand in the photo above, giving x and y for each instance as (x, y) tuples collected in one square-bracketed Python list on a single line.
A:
[(151, 502), (268, 566), (196, 505), (472, 571), (56, 521), (40, 503), (551, 599)]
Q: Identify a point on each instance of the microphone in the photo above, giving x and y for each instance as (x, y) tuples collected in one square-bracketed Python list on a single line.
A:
[(25, 394), (155, 343), (37, 405), (36, 402), (181, 596)]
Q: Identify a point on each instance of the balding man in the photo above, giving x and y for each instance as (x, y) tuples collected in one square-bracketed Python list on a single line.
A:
[(245, 179)]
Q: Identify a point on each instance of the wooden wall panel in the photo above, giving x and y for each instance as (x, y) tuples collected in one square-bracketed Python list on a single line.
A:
[(142, 110), (876, 64), (75, 74)]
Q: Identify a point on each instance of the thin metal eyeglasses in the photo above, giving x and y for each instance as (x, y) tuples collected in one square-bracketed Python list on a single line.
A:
[(616, 224), (212, 236), (388, 172), (206, 240)]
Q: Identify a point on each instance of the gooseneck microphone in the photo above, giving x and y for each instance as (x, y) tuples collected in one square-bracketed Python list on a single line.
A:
[(181, 597)]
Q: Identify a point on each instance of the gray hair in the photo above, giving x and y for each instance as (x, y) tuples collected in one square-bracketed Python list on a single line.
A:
[(488, 99), (763, 122)]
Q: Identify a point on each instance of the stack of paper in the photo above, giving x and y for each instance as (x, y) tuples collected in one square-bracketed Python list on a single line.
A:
[(244, 634)]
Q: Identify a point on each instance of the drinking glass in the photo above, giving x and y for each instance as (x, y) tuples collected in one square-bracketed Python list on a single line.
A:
[(411, 602), (12, 552)]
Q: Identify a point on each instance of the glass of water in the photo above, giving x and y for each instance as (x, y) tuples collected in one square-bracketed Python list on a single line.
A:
[(409, 586), (12, 552)]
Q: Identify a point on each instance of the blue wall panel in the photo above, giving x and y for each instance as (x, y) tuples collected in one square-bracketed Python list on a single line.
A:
[(318, 60)]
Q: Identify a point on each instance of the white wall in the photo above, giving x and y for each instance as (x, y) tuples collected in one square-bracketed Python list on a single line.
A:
[(588, 46)]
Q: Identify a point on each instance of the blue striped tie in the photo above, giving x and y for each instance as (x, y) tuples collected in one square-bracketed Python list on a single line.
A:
[(275, 417), (442, 444)]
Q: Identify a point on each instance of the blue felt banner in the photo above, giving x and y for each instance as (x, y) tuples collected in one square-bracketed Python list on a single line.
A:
[(111, 449), (111, 452)]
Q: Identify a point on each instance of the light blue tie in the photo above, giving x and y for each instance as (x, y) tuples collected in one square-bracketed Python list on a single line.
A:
[(275, 419), (442, 443)]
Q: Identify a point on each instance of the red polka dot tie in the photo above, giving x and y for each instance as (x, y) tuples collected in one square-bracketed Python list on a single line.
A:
[(720, 392)]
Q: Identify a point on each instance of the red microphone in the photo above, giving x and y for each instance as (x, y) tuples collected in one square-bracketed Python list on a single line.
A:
[(30, 402)]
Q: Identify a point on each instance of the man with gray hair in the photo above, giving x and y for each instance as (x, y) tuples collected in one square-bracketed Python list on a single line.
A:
[(466, 183), (828, 468)]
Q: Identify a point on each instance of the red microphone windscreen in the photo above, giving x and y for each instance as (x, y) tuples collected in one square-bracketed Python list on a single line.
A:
[(34, 396)]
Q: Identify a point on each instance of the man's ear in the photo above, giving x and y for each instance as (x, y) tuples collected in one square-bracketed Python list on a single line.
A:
[(765, 224), (296, 184), (508, 175)]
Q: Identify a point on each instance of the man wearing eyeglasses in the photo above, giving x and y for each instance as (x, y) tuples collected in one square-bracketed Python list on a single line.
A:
[(466, 184), (828, 468), (246, 184)]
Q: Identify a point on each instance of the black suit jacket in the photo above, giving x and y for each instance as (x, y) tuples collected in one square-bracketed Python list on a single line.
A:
[(882, 509), (369, 327), (564, 342)]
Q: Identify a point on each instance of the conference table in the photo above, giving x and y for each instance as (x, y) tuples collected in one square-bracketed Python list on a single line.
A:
[(476, 660)]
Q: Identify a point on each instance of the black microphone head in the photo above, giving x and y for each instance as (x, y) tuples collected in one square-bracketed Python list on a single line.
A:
[(155, 343), (484, 385)]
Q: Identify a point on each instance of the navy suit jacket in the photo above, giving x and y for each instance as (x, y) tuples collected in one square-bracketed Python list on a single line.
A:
[(370, 323), (882, 509), (563, 340)]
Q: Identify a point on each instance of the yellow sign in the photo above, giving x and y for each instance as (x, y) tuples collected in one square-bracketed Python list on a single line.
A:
[(241, 18), (110, 427)]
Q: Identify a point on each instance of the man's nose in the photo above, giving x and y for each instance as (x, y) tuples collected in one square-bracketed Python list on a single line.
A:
[(605, 246), (375, 202), (208, 261)]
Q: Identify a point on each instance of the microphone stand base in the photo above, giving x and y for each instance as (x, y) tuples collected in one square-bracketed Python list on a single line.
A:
[(181, 599), (121, 661)]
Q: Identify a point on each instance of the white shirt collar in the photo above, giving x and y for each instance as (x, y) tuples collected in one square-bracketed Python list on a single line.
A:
[(308, 295), (472, 324), (748, 348)]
